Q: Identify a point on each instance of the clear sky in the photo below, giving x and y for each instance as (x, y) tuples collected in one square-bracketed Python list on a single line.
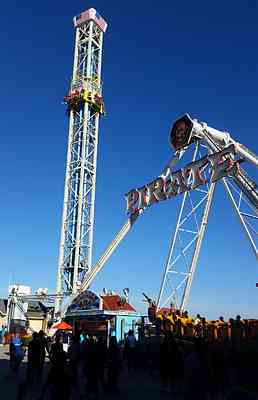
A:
[(161, 59)]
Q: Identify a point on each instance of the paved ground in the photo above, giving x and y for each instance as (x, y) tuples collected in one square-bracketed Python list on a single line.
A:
[(133, 386)]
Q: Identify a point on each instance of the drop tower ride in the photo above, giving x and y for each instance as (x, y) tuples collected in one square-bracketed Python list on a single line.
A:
[(84, 107)]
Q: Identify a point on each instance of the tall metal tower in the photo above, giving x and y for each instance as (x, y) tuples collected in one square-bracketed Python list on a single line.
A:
[(84, 106)]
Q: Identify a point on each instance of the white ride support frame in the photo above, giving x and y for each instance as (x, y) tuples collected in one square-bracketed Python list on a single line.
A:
[(193, 217), (85, 105), (186, 242)]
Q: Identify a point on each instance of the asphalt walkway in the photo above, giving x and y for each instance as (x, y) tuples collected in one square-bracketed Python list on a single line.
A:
[(133, 385)]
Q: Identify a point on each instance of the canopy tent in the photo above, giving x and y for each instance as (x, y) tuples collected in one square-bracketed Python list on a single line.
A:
[(62, 326)]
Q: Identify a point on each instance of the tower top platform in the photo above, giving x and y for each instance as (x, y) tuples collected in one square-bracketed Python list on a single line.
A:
[(88, 15)]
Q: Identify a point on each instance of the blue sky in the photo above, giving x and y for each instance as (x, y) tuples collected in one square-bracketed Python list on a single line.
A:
[(161, 59)]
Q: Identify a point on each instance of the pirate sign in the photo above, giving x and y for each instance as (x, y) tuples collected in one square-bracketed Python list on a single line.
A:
[(181, 132)]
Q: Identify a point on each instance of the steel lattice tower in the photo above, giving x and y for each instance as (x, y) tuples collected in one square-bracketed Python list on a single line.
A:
[(84, 106)]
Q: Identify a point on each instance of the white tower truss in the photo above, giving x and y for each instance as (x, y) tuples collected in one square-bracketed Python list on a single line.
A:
[(84, 106)]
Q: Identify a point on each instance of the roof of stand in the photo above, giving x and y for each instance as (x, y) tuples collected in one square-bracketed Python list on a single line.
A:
[(115, 303)]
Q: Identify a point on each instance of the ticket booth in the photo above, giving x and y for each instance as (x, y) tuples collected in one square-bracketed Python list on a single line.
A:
[(102, 315)]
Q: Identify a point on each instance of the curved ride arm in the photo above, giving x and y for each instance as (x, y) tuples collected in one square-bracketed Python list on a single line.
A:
[(223, 139), (89, 277), (217, 140)]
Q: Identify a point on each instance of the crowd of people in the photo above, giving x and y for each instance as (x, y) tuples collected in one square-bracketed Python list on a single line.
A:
[(89, 359), (193, 369), (188, 364), (182, 324)]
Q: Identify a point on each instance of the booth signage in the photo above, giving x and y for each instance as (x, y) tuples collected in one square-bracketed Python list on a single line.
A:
[(87, 300), (220, 164)]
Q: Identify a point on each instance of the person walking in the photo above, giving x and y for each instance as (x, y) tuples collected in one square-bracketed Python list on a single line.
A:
[(91, 369), (56, 350), (195, 373), (114, 365), (165, 363), (34, 360), (16, 352), (102, 360), (33, 369), (4, 332), (130, 350), (58, 382), (171, 364), (74, 356), (43, 349), (1, 335)]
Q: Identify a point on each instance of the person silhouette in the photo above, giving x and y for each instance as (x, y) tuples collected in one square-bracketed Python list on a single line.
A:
[(114, 365), (34, 360)]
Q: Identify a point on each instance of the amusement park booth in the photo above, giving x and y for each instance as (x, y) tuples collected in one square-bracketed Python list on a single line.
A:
[(102, 315)]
